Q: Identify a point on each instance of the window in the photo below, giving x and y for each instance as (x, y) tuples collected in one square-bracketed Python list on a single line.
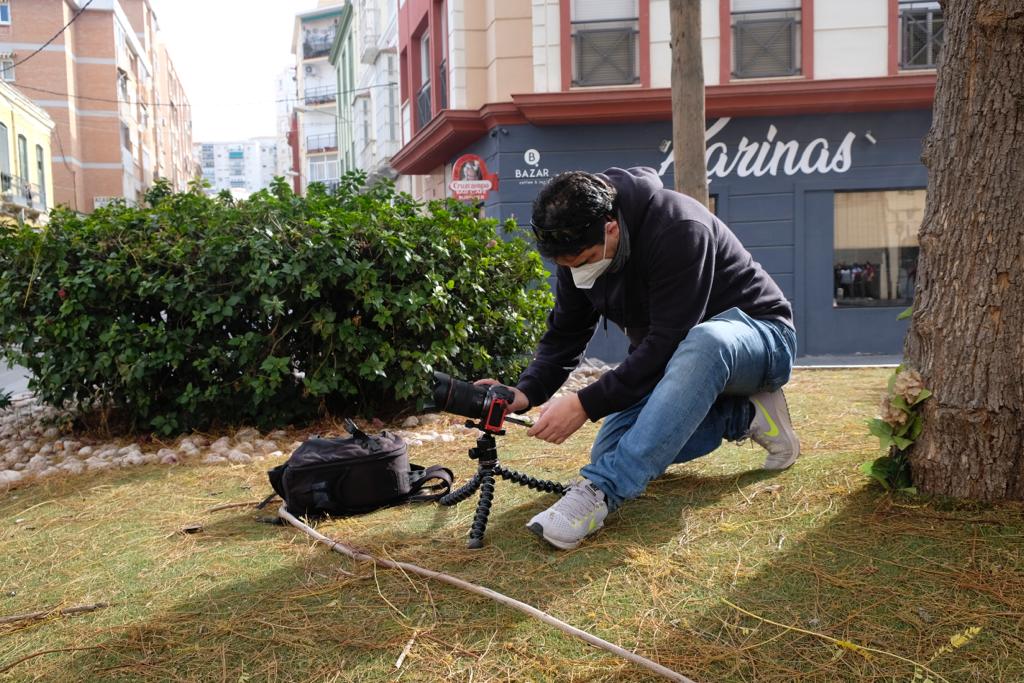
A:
[(765, 38), (7, 65), (5, 159), (423, 109), (323, 169), (126, 138), (5, 12), (605, 45), (122, 84), (875, 257), (921, 34), (41, 174)]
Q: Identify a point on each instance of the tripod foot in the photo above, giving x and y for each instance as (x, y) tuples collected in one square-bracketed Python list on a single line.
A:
[(475, 543)]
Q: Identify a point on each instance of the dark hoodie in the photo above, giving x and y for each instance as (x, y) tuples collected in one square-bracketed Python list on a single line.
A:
[(685, 266)]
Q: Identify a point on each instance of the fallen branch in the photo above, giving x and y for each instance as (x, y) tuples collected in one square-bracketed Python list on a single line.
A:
[(63, 612), (228, 506), (488, 593), (45, 652)]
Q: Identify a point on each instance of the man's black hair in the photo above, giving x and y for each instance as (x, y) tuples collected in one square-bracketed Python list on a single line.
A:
[(570, 212)]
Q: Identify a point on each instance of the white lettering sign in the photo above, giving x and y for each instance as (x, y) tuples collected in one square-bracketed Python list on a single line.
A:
[(770, 156)]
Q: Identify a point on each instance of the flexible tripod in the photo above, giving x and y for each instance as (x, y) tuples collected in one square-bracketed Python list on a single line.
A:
[(486, 453)]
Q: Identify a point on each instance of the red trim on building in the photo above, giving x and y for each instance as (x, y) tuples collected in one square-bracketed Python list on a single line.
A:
[(453, 130), (724, 41), (293, 143), (565, 42), (807, 39), (894, 37), (645, 43)]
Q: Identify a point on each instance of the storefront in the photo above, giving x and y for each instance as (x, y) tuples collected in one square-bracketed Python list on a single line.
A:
[(829, 204)]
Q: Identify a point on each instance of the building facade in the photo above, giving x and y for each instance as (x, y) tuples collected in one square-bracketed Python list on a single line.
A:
[(316, 114), (122, 117), (26, 168), (816, 114), (241, 167), (365, 57)]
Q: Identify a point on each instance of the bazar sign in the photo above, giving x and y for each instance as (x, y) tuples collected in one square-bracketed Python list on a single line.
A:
[(471, 179), (771, 156)]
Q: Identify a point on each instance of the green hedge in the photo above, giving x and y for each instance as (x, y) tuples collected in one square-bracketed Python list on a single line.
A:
[(196, 311)]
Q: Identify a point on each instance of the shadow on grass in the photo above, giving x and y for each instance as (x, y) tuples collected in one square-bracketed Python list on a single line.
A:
[(325, 615), (901, 580)]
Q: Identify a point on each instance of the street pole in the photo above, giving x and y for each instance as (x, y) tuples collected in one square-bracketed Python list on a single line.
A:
[(688, 100)]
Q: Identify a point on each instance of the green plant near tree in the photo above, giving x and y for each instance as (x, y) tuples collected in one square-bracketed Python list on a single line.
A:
[(194, 310), (898, 426)]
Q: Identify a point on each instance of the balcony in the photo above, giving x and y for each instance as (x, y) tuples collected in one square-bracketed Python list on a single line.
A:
[(371, 35), (325, 142), (921, 34), (423, 112), (324, 94), (317, 45), (21, 192)]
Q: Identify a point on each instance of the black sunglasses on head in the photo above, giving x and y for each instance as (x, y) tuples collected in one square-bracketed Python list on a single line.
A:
[(563, 234)]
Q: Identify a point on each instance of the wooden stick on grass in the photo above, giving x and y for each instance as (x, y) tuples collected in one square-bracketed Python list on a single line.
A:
[(42, 614), (488, 593)]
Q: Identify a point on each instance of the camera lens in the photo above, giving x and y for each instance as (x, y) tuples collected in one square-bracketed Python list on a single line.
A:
[(455, 396)]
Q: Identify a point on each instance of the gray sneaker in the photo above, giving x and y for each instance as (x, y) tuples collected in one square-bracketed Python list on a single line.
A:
[(576, 515), (772, 430)]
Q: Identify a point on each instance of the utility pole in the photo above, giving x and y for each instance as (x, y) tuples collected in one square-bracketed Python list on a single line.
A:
[(688, 100)]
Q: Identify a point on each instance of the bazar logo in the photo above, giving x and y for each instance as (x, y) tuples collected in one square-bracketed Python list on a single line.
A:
[(532, 159)]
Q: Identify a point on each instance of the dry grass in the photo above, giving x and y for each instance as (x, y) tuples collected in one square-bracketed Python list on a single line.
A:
[(675, 575)]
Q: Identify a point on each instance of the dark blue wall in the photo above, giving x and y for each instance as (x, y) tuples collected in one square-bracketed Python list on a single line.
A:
[(786, 221)]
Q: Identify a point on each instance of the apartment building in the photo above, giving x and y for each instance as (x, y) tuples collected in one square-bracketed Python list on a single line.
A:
[(316, 114), (816, 113), (26, 169), (122, 116), (241, 167), (365, 57)]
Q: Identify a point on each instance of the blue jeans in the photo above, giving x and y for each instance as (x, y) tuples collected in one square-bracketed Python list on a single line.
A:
[(702, 398)]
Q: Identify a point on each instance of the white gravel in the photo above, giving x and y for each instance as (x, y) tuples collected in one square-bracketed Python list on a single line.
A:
[(34, 446)]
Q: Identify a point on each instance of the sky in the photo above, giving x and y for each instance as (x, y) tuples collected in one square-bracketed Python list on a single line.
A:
[(228, 54)]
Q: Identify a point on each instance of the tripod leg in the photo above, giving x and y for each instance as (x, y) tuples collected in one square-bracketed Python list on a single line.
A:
[(545, 485), (462, 493), (483, 507)]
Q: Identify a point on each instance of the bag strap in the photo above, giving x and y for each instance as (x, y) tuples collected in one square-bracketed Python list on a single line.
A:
[(418, 478)]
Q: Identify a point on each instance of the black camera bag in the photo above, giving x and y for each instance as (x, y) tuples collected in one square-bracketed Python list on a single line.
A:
[(354, 475)]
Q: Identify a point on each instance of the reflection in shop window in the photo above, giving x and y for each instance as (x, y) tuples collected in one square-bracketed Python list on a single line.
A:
[(875, 258)]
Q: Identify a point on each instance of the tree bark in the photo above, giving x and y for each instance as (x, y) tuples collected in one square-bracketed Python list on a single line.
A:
[(967, 332), (688, 100)]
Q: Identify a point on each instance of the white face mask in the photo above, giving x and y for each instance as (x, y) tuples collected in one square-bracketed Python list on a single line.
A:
[(586, 275)]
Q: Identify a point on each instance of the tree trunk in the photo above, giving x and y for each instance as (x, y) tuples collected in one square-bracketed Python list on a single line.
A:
[(967, 334), (688, 100)]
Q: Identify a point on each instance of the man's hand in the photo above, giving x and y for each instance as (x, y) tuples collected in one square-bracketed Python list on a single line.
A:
[(559, 419), (520, 402)]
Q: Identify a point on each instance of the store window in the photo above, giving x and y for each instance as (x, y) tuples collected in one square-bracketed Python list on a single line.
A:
[(765, 38), (921, 34), (605, 42), (876, 247)]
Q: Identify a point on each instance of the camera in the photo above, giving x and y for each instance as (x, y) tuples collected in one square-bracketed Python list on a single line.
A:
[(488, 404)]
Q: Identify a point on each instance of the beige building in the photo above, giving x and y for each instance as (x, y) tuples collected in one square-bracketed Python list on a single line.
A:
[(316, 114), (26, 173), (122, 117)]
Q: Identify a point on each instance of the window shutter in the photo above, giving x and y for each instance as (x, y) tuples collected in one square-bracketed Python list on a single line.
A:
[(765, 47), (606, 56)]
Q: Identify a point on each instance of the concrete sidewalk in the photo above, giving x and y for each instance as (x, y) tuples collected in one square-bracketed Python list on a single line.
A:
[(13, 381), (857, 360)]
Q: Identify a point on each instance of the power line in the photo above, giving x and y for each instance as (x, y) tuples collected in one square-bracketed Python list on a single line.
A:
[(55, 37), (289, 100)]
